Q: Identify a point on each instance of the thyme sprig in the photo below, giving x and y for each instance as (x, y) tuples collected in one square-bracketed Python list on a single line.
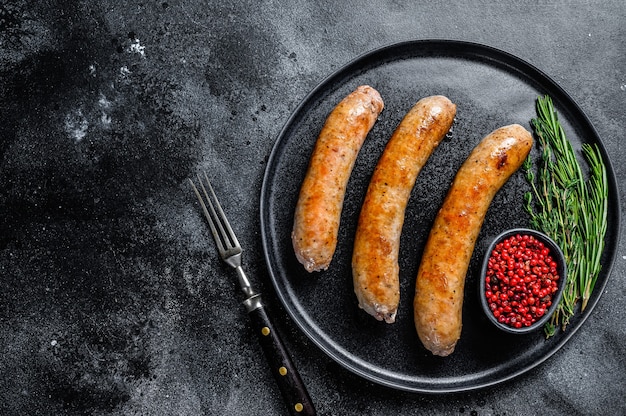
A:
[(568, 208)]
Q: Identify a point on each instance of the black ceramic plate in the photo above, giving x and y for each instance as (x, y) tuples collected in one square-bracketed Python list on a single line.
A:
[(491, 88)]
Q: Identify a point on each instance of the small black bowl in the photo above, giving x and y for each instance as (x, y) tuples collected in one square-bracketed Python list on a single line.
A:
[(557, 256)]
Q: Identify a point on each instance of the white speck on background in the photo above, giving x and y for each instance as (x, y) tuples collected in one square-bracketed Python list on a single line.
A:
[(622, 87), (103, 102), (105, 105), (76, 125), (92, 70), (124, 71), (137, 48), (623, 257), (105, 119)]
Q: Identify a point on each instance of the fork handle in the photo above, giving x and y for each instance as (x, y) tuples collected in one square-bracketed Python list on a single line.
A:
[(289, 382)]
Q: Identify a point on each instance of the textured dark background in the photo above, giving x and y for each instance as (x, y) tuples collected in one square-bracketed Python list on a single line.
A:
[(112, 301)]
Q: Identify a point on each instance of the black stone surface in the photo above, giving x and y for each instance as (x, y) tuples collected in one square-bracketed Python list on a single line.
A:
[(112, 300)]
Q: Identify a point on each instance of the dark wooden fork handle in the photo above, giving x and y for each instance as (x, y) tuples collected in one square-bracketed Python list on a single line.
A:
[(289, 382)]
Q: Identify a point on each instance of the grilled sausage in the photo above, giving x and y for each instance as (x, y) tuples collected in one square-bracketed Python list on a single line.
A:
[(440, 281), (318, 211), (375, 267)]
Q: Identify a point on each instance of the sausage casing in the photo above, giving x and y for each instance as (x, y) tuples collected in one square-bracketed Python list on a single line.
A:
[(375, 269), (440, 280), (320, 202)]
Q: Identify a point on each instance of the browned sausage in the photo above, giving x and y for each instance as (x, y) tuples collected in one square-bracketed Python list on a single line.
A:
[(318, 211), (440, 281), (375, 268)]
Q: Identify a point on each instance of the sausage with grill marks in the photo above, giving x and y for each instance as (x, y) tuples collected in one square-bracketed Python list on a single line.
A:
[(439, 287), (375, 269), (320, 202)]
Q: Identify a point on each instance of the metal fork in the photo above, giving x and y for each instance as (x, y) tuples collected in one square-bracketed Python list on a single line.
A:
[(289, 382)]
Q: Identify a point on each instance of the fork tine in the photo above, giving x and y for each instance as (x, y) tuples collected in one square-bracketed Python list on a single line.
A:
[(207, 215), (223, 233), (218, 214), (226, 229)]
